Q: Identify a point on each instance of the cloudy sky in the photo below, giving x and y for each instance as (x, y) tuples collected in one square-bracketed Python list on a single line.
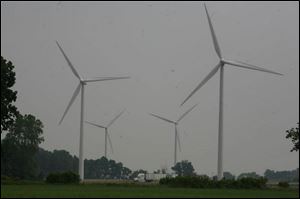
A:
[(166, 49)]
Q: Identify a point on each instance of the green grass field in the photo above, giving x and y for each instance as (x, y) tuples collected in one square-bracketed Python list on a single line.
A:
[(98, 190)]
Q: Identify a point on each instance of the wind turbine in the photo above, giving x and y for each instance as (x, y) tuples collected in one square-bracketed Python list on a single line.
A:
[(106, 131), (220, 66), (177, 139), (80, 87)]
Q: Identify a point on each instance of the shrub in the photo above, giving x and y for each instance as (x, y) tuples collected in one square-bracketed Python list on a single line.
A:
[(3, 178), (70, 177), (187, 181), (66, 178), (53, 178), (283, 184), (164, 181), (206, 182), (248, 183), (8, 180)]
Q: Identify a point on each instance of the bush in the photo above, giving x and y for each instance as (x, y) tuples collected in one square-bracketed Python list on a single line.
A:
[(187, 181), (206, 182), (66, 178), (248, 183), (283, 184), (165, 181), (8, 180)]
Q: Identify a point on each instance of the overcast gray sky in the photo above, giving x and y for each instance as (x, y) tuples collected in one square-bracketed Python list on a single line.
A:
[(167, 49)]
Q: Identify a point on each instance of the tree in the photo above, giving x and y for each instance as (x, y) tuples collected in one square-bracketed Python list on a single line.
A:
[(293, 134), (125, 173), (184, 168), (227, 175), (19, 147), (53, 162), (135, 173), (105, 169), (287, 176), (249, 175), (164, 169), (270, 175), (8, 111)]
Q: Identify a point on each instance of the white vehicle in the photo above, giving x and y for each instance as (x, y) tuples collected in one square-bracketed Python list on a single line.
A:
[(149, 177), (140, 178)]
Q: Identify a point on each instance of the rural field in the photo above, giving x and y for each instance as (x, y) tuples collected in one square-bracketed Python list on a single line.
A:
[(113, 190)]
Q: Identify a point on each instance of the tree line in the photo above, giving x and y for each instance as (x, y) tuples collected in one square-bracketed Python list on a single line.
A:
[(57, 161), (272, 176), (61, 161)]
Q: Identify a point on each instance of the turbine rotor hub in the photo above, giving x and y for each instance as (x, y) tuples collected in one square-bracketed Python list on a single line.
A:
[(222, 61)]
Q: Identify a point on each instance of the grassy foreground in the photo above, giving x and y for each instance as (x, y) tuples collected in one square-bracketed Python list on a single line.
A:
[(98, 190)]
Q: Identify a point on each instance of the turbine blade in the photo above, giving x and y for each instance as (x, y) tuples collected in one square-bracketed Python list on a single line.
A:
[(213, 34), (178, 139), (111, 122), (250, 66), (162, 118), (104, 79), (214, 70), (69, 62), (97, 125), (186, 113), (71, 101), (110, 143)]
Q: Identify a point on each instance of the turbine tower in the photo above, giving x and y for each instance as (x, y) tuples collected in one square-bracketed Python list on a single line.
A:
[(80, 87), (220, 66), (176, 131), (106, 132)]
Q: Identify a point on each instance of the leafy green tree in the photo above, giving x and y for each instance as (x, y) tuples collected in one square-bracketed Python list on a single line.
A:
[(249, 175), (105, 169), (284, 176), (125, 173), (135, 173), (19, 147), (8, 111), (228, 176), (53, 162), (102, 165), (184, 168), (293, 134), (270, 174), (61, 161), (113, 171)]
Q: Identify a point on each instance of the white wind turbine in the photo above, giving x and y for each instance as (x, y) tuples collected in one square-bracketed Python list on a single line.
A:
[(220, 66), (106, 131), (82, 83), (177, 139)]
